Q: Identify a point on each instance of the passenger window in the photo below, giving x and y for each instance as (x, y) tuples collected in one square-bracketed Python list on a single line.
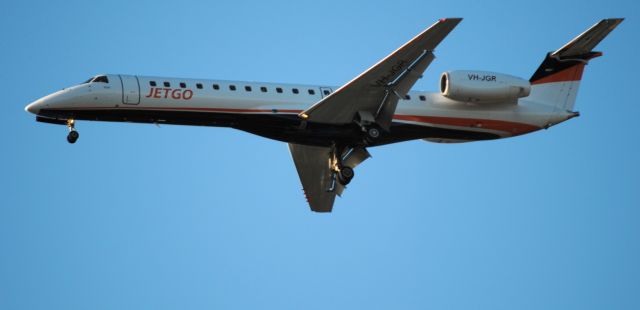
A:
[(423, 98), (247, 88), (326, 92), (232, 87), (407, 97), (263, 89), (216, 86), (198, 85), (295, 90), (183, 85), (167, 84), (278, 90), (101, 79), (152, 83), (312, 92)]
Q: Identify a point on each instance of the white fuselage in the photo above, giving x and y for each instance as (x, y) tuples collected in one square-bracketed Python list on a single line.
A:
[(124, 93)]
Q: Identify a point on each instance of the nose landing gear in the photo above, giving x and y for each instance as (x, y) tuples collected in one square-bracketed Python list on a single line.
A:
[(73, 135)]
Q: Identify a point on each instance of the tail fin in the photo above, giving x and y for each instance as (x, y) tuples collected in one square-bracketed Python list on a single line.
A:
[(557, 79)]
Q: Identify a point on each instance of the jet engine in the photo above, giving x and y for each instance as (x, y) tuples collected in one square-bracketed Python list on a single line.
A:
[(483, 87)]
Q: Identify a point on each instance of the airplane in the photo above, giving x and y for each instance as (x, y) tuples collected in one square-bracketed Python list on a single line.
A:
[(328, 128)]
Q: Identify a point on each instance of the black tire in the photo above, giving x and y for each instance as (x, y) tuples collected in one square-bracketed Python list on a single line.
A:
[(73, 136), (347, 172), (373, 133), (346, 175)]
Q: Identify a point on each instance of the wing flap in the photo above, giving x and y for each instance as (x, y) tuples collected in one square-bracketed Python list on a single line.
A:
[(401, 88)]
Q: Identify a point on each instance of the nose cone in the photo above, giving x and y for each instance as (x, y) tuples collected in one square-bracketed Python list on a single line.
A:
[(52, 101), (34, 107)]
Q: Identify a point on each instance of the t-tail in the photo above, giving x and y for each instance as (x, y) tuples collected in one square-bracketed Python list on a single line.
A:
[(557, 79)]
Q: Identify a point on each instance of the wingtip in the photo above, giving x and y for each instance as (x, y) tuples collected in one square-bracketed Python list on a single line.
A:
[(613, 22), (455, 19)]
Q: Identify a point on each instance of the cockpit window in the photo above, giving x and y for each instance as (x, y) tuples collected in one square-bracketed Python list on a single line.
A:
[(101, 79), (97, 79)]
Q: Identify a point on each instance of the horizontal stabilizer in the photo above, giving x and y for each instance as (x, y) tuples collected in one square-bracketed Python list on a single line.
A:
[(587, 41)]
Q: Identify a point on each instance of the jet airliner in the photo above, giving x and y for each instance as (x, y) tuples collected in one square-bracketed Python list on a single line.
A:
[(328, 128)]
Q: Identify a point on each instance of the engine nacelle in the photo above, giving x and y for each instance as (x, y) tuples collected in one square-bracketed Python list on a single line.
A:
[(483, 87)]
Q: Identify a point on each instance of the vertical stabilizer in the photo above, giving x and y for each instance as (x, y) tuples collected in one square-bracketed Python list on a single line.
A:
[(557, 80)]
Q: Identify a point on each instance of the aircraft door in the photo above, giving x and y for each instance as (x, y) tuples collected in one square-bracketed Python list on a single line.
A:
[(130, 89)]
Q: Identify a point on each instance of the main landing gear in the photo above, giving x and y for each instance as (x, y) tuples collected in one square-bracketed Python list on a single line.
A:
[(343, 163), (342, 172), (345, 175), (345, 158), (73, 135), (373, 133), (370, 128)]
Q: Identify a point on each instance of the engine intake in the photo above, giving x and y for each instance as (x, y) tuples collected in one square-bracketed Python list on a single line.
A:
[(483, 87)]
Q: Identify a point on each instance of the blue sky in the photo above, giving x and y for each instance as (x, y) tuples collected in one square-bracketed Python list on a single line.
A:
[(139, 217)]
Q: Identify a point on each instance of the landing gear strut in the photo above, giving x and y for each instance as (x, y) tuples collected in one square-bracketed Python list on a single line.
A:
[(343, 160), (342, 173), (73, 135)]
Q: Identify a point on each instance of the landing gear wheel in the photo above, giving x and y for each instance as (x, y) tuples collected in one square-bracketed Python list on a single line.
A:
[(345, 175), (373, 133), (73, 136)]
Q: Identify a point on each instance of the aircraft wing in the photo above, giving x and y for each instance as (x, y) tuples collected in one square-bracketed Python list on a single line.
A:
[(316, 169), (374, 94)]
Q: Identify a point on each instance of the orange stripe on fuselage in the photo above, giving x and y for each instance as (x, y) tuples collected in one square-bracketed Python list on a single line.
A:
[(226, 110), (505, 126)]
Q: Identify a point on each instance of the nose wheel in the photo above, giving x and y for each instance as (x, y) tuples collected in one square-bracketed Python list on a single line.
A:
[(73, 135)]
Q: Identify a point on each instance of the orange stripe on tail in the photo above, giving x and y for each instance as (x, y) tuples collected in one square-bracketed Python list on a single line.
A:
[(573, 73)]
